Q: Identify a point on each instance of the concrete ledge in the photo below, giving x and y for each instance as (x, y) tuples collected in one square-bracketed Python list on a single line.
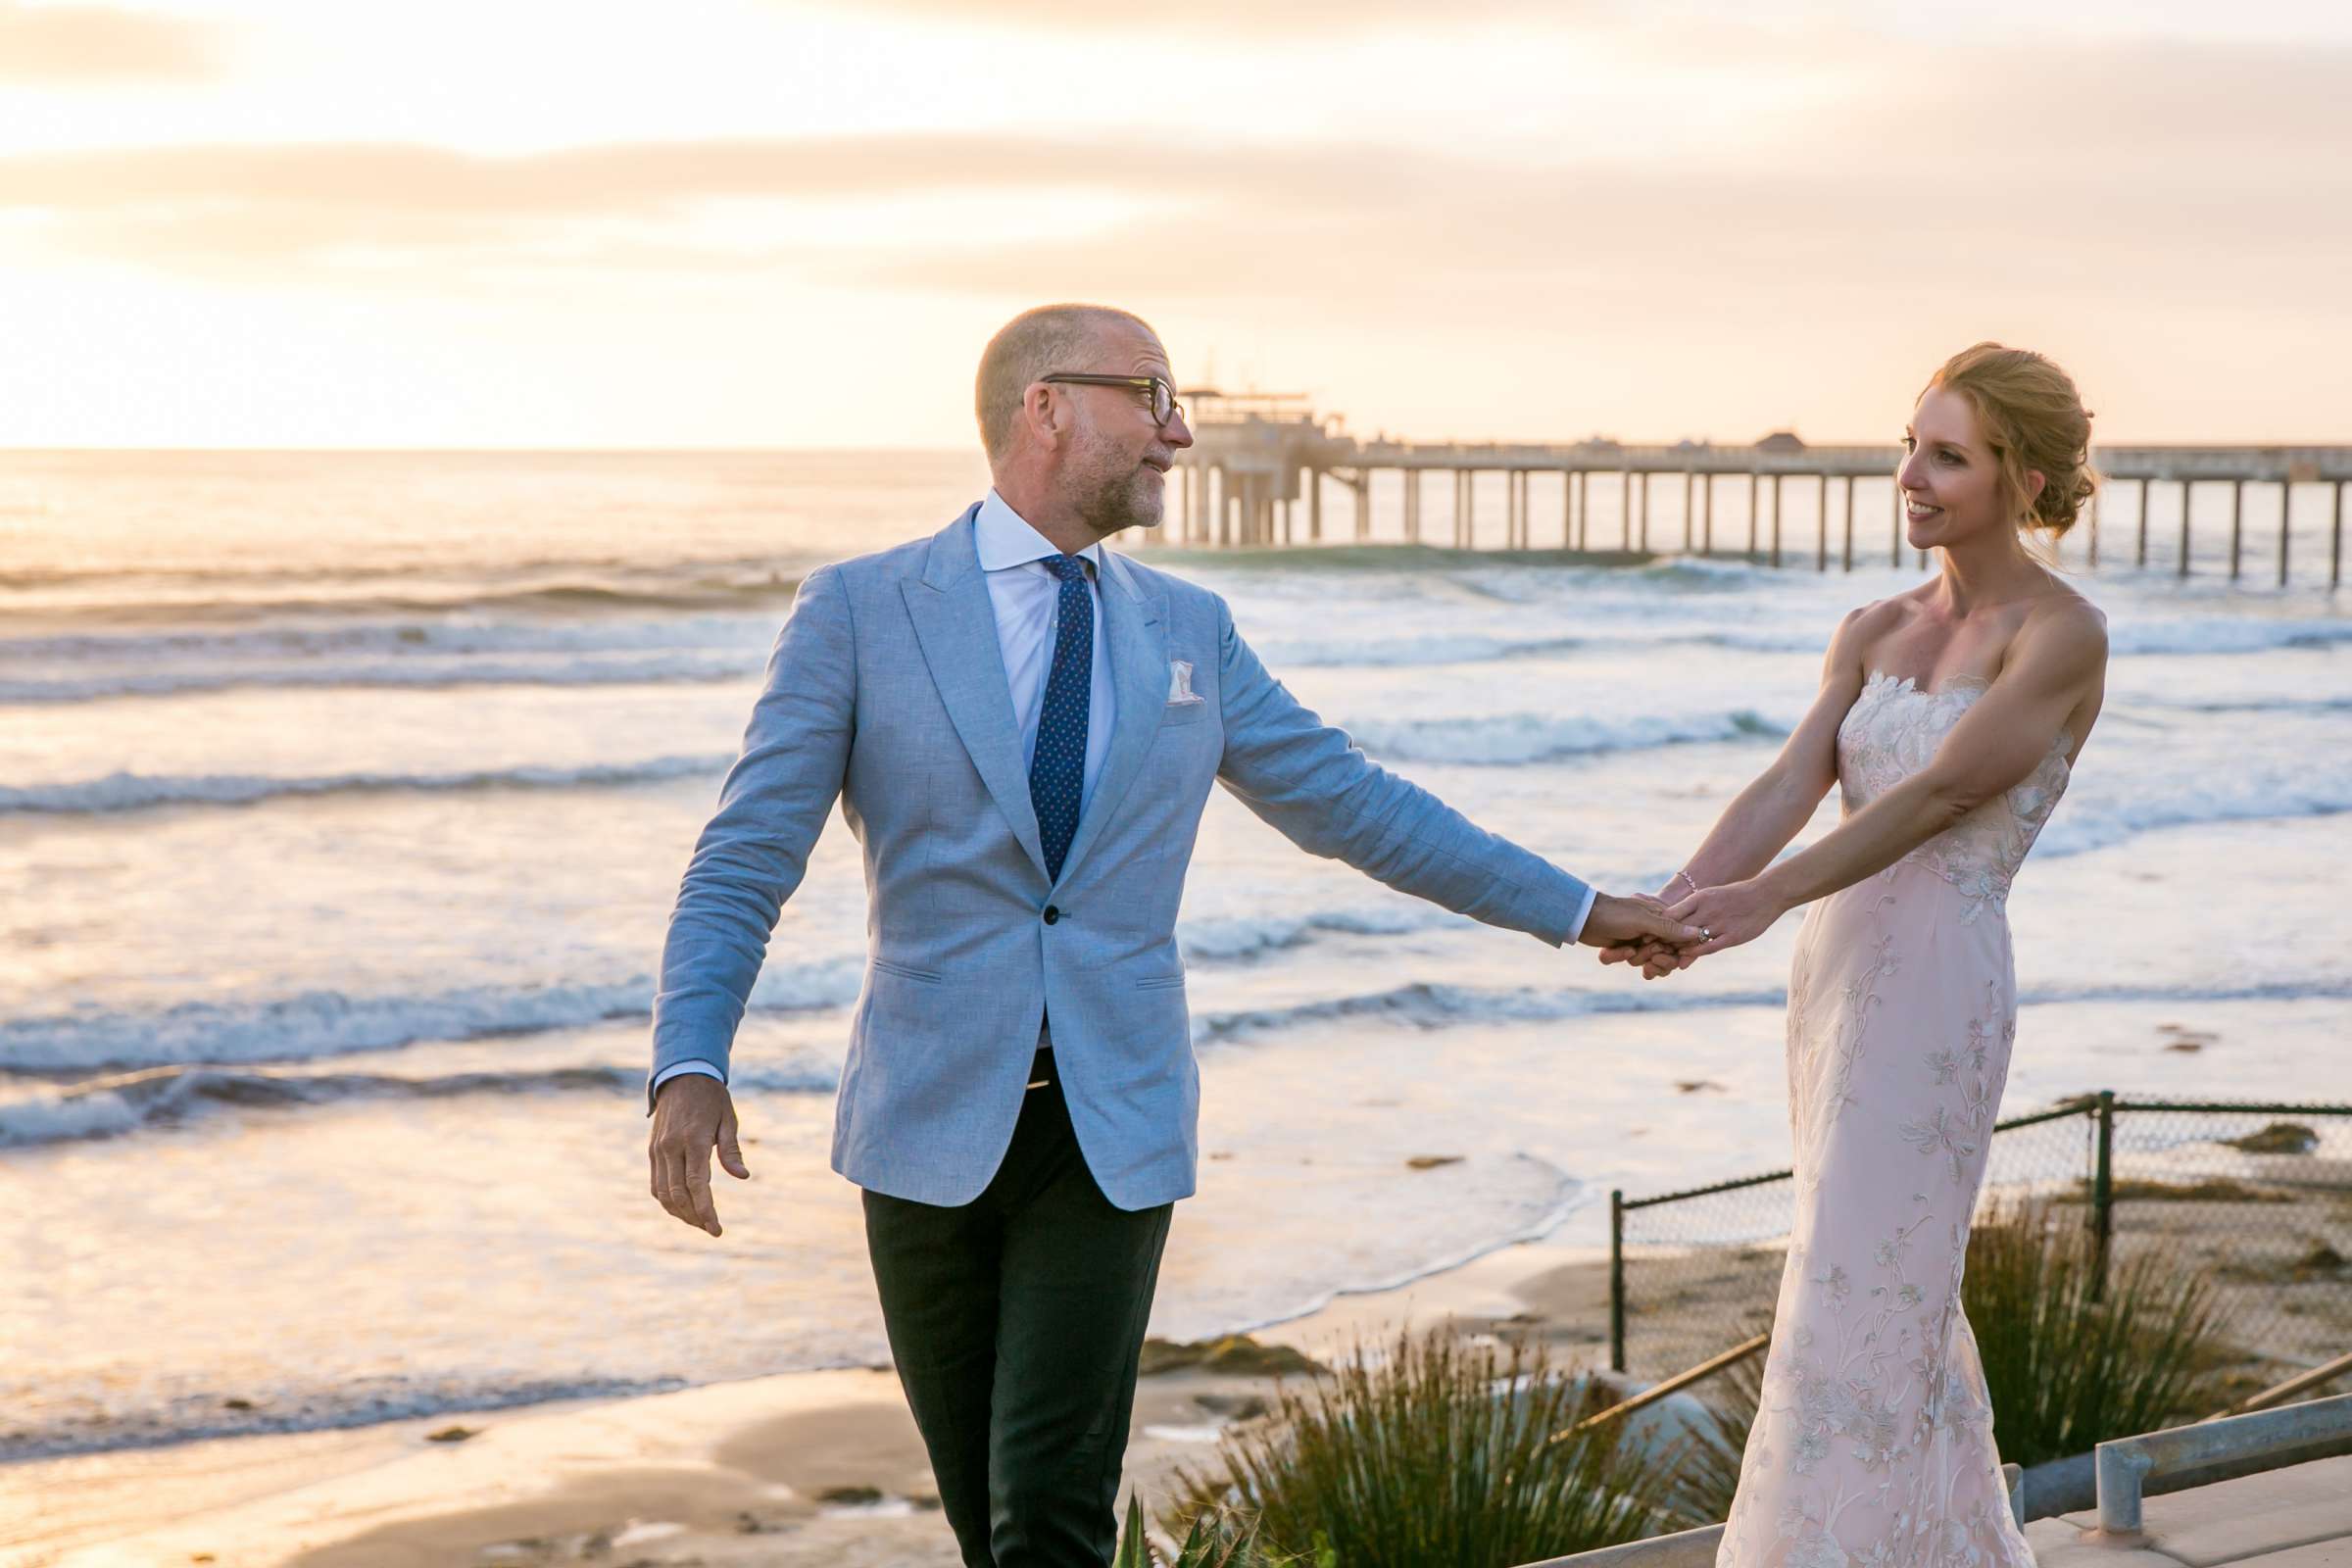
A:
[(1688, 1549), (2305, 1509), (2261, 1440)]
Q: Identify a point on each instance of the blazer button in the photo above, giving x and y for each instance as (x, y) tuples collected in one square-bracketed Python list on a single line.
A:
[(1053, 915)]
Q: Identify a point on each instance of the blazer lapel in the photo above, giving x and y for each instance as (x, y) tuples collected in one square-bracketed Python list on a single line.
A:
[(956, 627), (1135, 627)]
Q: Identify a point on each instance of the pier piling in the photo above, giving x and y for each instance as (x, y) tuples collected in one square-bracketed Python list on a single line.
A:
[(2335, 541), (2184, 498), (2286, 511), (1777, 498), (1821, 523), (1849, 522), (2237, 523)]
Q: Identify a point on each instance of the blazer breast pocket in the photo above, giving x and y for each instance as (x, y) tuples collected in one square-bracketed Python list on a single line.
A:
[(1183, 713)]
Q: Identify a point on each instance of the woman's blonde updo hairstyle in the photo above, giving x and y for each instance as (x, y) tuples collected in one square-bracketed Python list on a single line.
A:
[(2035, 420)]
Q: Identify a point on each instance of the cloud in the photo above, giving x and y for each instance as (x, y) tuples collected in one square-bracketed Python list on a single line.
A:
[(1228, 18), (2142, 169), (73, 45), (596, 181)]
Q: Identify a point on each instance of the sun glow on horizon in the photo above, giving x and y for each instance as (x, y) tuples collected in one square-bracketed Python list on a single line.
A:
[(246, 223)]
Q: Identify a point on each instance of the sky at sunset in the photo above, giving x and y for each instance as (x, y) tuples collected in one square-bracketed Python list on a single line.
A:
[(726, 223)]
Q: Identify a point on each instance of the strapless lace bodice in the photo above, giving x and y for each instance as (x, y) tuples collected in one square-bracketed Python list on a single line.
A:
[(1892, 732)]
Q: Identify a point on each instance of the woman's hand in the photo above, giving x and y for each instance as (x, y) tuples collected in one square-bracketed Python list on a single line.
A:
[(1654, 959), (1729, 916)]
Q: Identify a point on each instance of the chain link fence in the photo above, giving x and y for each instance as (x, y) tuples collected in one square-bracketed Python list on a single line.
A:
[(2256, 1197)]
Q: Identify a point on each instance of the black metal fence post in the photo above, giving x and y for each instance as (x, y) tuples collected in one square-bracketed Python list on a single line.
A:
[(2102, 1194), (1616, 1279)]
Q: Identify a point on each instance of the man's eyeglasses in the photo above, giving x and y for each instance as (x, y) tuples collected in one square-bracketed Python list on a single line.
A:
[(1164, 405)]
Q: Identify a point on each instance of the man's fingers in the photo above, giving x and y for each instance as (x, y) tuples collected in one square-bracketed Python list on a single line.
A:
[(669, 1184), (1669, 932), (730, 1147), (697, 1193), (677, 1190)]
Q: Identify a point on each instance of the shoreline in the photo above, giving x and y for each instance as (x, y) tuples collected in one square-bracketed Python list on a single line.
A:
[(792, 1469)]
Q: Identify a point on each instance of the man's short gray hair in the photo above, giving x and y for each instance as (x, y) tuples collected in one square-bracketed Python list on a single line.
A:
[(1034, 343)]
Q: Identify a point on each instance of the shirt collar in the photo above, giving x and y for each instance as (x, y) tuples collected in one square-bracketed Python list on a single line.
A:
[(1004, 539)]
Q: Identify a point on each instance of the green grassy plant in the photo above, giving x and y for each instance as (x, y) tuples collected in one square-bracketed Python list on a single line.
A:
[(2066, 1373), (1214, 1539), (1437, 1452)]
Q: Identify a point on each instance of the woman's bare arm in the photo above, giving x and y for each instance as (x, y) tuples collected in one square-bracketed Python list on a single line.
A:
[(1780, 801), (2056, 662)]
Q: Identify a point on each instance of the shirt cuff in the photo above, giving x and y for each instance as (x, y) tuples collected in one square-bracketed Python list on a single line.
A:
[(668, 1073), (1583, 912)]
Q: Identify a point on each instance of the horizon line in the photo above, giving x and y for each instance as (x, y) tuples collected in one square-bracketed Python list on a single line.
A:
[(974, 451)]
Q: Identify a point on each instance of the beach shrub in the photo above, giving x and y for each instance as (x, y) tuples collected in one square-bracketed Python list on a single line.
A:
[(2063, 1372), (1709, 1474), (1215, 1538), (1436, 1450)]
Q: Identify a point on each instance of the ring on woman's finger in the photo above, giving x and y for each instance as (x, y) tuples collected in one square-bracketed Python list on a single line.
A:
[(1705, 935)]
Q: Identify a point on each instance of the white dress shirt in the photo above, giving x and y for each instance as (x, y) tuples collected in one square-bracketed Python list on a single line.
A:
[(1026, 597)]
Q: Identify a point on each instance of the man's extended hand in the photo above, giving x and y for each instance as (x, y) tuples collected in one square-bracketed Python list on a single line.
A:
[(1634, 922), (693, 1114)]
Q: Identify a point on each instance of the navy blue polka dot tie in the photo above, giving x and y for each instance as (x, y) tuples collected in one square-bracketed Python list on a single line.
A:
[(1058, 767)]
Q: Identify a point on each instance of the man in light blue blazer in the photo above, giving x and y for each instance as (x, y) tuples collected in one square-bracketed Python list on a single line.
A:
[(1023, 728)]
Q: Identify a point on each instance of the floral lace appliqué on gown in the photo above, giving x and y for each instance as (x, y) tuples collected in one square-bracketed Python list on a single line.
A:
[(1873, 1445)]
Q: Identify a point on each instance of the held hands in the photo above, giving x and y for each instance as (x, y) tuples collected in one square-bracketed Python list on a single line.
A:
[(1720, 916), (693, 1114), (1635, 924)]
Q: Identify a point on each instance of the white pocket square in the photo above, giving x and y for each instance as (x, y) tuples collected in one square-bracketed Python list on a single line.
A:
[(1180, 684)]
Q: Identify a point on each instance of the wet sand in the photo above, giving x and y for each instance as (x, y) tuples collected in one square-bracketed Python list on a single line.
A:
[(787, 1472), (804, 1469)]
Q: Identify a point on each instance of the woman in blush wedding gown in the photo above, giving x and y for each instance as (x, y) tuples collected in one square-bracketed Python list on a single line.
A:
[(1950, 717)]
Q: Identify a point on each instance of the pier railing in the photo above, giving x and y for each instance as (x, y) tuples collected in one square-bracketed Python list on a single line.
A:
[(1268, 480), (2217, 1183)]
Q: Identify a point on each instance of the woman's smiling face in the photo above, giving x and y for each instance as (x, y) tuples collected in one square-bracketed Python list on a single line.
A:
[(1950, 477)]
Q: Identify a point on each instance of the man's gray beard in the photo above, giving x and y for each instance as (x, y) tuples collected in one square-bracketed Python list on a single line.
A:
[(1120, 505)]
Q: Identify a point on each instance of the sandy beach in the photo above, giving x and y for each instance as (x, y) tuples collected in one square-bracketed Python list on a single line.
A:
[(803, 1469), (798, 1469)]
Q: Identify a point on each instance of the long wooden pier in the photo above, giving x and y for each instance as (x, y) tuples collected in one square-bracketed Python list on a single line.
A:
[(1256, 458)]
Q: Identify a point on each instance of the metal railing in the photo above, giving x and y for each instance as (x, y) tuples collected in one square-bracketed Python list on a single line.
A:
[(2238, 1444), (2238, 1188)]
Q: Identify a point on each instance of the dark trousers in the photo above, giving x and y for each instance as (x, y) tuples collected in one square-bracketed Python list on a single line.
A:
[(1016, 1321)]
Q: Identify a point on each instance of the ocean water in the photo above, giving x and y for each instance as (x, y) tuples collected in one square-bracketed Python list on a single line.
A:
[(343, 799)]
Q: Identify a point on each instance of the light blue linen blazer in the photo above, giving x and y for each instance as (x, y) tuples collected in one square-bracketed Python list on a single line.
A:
[(887, 690)]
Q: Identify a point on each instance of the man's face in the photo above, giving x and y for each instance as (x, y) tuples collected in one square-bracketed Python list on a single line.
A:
[(1115, 471)]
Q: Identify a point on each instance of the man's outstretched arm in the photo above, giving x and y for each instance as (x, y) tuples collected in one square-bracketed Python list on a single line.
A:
[(1318, 789), (754, 851)]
